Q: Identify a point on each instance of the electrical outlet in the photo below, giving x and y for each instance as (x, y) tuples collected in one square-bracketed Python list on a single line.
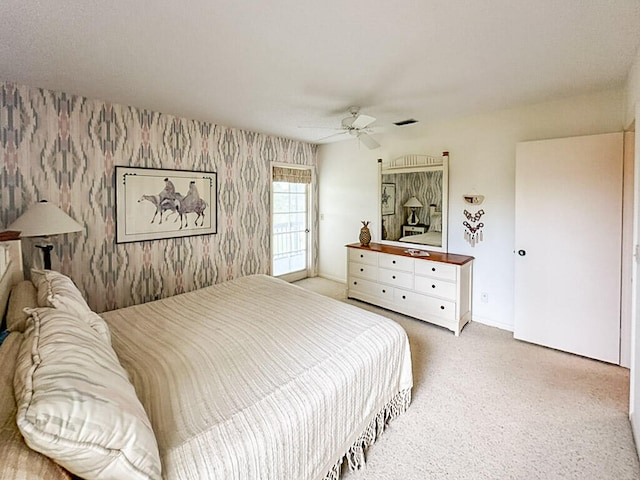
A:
[(484, 297)]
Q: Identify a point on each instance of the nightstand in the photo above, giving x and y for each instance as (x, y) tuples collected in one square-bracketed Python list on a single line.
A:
[(414, 229)]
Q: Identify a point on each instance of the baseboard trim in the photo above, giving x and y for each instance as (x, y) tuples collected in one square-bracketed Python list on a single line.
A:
[(492, 323), (331, 277)]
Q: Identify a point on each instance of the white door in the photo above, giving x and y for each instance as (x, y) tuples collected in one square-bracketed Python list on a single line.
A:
[(290, 233), (568, 244)]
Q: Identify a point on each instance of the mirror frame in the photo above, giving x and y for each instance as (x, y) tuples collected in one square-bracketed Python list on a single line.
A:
[(417, 163)]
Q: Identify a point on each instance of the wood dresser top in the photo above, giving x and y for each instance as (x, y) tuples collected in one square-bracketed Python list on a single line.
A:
[(9, 235), (452, 258)]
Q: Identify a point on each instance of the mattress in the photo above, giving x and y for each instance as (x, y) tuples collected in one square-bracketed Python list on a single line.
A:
[(257, 378)]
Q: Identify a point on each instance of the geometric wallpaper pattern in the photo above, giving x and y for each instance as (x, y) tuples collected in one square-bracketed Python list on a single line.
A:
[(64, 148), (425, 186)]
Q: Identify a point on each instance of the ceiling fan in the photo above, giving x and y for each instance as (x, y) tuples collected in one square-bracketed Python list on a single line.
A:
[(358, 126)]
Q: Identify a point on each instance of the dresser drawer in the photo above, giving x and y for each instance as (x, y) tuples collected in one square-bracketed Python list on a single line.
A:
[(363, 256), (363, 270), (424, 305), (436, 287), (395, 262), (441, 308), (369, 288), (440, 270), (397, 278)]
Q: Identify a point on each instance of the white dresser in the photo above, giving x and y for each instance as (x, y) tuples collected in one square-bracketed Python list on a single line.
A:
[(436, 288)]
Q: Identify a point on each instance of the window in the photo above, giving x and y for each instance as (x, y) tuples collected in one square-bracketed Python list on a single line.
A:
[(290, 222)]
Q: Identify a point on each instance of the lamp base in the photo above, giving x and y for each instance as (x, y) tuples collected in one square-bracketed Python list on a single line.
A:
[(413, 218), (46, 254)]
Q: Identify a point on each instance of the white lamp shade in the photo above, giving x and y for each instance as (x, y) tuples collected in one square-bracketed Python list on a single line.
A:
[(43, 219), (413, 202)]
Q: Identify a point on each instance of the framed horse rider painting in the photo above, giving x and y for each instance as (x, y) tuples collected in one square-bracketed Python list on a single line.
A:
[(152, 204)]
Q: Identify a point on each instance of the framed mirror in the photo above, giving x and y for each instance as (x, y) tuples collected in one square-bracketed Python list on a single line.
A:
[(413, 202)]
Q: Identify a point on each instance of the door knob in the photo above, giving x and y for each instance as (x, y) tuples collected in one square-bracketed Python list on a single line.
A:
[(522, 253)]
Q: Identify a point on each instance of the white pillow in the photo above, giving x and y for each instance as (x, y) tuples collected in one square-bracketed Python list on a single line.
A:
[(76, 404), (58, 291), (17, 461)]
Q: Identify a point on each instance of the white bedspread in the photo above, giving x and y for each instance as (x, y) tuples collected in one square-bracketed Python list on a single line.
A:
[(429, 238), (258, 379)]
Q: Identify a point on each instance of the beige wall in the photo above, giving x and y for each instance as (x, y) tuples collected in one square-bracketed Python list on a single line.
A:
[(632, 91), (482, 160)]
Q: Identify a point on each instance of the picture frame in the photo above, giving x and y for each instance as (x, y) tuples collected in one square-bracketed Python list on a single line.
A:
[(388, 198), (153, 204)]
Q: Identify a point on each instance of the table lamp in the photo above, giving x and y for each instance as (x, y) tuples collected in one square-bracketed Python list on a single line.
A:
[(44, 220), (413, 203)]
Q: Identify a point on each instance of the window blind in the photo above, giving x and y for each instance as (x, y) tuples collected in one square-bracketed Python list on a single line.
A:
[(292, 175)]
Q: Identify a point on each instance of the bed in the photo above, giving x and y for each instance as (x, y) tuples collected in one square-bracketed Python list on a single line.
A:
[(433, 235), (250, 379), (429, 238)]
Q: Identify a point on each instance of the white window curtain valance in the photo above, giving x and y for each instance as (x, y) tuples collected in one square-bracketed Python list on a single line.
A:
[(292, 175)]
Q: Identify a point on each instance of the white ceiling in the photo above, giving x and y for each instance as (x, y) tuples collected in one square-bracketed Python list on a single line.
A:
[(273, 66)]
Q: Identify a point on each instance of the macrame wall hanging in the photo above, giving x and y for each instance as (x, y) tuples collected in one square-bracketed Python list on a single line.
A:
[(472, 225)]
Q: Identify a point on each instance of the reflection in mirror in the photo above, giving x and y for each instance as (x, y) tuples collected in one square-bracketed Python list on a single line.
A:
[(413, 202)]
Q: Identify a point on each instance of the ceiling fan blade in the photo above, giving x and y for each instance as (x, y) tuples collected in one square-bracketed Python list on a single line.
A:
[(368, 141), (362, 121), (329, 136), (317, 127)]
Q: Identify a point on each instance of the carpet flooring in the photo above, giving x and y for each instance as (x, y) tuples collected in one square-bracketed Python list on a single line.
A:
[(486, 406)]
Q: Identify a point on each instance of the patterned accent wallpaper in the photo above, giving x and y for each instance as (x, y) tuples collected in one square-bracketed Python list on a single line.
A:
[(63, 148), (427, 188)]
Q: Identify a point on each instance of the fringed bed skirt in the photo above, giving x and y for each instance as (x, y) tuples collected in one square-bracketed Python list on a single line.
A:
[(355, 456)]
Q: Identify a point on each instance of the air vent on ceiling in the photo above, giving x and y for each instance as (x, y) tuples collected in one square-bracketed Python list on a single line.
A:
[(402, 123)]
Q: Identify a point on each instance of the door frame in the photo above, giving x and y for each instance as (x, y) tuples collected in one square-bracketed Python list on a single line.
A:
[(308, 271), (634, 375), (628, 265)]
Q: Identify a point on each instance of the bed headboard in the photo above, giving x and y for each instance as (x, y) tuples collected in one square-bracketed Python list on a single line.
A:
[(10, 266)]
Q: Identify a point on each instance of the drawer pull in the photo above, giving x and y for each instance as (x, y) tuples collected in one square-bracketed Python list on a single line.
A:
[(433, 269), (355, 283), (433, 286), (441, 307), (393, 276), (404, 297), (362, 269), (384, 291), (394, 262), (361, 255)]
